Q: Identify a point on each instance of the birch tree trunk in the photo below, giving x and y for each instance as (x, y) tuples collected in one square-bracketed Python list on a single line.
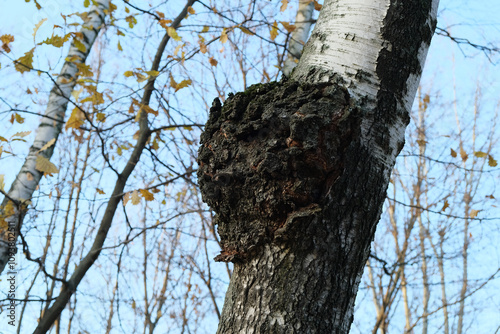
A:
[(14, 205), (70, 286), (303, 22), (297, 171)]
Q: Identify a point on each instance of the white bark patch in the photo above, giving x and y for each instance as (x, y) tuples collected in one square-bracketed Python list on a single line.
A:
[(348, 44)]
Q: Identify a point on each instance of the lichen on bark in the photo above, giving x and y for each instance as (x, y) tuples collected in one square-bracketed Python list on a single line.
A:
[(268, 159)]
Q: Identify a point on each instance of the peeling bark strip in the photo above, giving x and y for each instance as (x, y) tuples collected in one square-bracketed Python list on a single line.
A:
[(297, 171), (11, 215)]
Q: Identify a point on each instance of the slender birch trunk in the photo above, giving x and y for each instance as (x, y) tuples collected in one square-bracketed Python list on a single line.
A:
[(421, 175), (15, 204), (297, 171), (303, 23), (70, 286), (465, 255)]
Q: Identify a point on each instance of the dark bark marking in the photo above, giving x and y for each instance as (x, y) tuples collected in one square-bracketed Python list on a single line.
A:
[(397, 62)]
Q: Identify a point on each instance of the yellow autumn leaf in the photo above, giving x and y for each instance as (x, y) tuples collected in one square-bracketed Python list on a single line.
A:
[(289, 27), (131, 21), (126, 198), (473, 213), (136, 199), (37, 26), (173, 84), (203, 47), (79, 45), (445, 206), (96, 98), (138, 117), (86, 3), (173, 33), (45, 166), (128, 73), (149, 110), (463, 154), (317, 6), (284, 4), (183, 84), (152, 73), (177, 49), (155, 145), (56, 40), (2, 183), (205, 29), (6, 40), (453, 153), (76, 119), (101, 117), (25, 63), (421, 142), (245, 30), (426, 100), (191, 10), (84, 70), (148, 196), (480, 154), (223, 36), (76, 93), (49, 144), (140, 77), (38, 6), (492, 162), (212, 61), (19, 119), (274, 31), (119, 46), (21, 134), (165, 23), (100, 191)]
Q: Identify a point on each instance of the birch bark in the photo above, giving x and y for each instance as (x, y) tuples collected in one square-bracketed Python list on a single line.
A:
[(303, 23), (49, 129), (297, 171)]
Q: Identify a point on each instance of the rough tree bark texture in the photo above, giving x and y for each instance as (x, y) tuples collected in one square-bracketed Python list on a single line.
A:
[(11, 215), (297, 171)]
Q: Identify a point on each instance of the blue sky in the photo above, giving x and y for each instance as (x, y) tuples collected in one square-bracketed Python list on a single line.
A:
[(450, 70)]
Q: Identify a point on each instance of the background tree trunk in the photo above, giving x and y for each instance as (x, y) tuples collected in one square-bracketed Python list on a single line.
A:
[(303, 23), (28, 178), (297, 173)]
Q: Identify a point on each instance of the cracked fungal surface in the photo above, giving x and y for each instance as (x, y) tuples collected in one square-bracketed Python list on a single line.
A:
[(269, 157)]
